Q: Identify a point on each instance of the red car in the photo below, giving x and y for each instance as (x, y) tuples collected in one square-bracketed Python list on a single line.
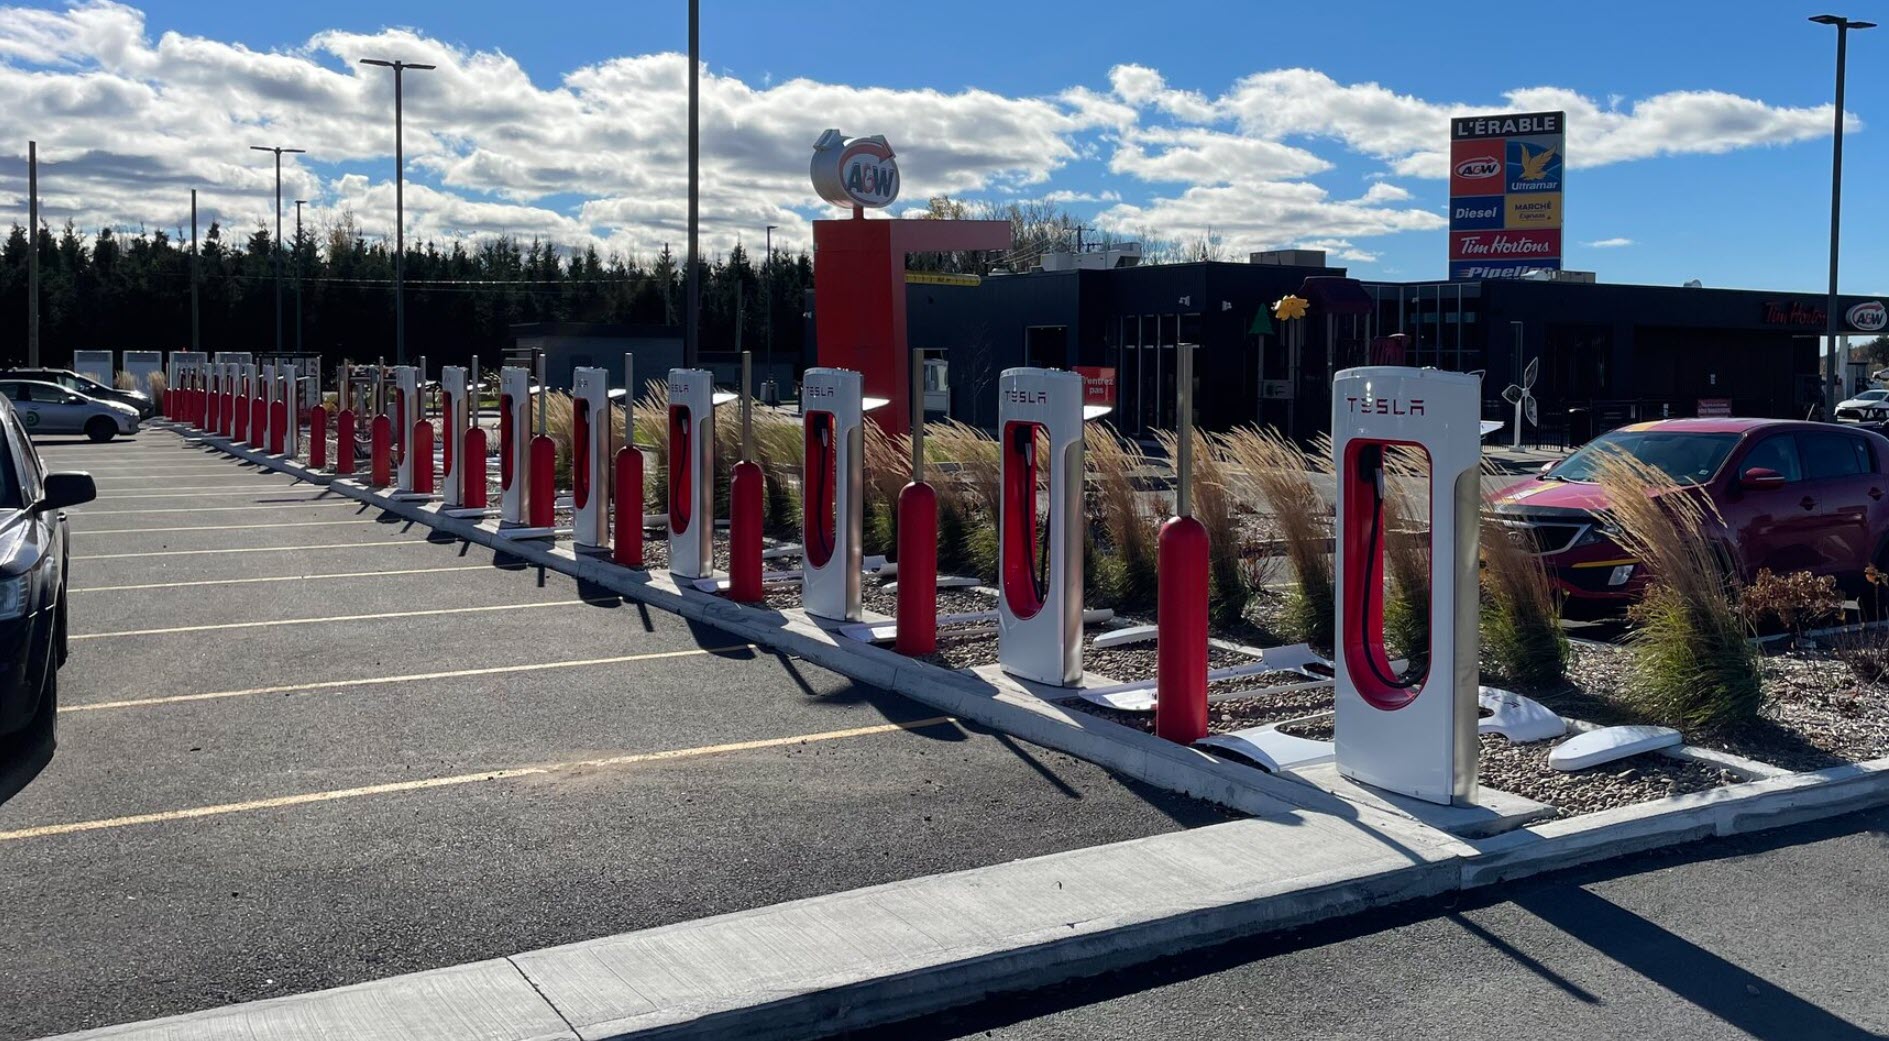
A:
[(1792, 497)]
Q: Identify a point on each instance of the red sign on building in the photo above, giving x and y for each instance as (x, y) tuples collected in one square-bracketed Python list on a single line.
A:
[(1098, 384), (1505, 245)]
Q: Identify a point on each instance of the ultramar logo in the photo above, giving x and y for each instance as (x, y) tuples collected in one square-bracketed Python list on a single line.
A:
[(1385, 406)]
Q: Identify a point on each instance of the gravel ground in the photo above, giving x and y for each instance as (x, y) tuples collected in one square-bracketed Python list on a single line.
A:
[(1819, 716), (950, 601), (1524, 770)]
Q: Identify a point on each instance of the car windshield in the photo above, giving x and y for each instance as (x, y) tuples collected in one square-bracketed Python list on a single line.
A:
[(1684, 456), (10, 497), (1872, 395)]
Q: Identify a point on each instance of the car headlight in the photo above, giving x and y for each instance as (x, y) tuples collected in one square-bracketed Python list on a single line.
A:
[(13, 597), (1596, 531)]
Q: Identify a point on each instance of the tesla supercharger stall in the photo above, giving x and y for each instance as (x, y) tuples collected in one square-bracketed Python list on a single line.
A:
[(590, 457), (691, 473), (1039, 543), (455, 415), (514, 441), (407, 412), (831, 515), (1411, 732)]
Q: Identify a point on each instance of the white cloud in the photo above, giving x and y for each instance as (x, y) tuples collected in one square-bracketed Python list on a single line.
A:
[(1613, 243), (595, 155)]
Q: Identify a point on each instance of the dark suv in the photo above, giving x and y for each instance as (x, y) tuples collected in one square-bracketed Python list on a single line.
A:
[(32, 599), (87, 386)]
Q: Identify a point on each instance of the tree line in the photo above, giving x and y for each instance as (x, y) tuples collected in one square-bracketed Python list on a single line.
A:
[(130, 290)]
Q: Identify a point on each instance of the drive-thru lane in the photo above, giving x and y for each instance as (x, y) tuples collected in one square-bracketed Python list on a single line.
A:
[(237, 813)]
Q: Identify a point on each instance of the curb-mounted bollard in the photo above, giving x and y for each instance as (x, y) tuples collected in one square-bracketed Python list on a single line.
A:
[(627, 542), (1182, 566), (745, 496), (421, 448), (380, 452), (318, 438), (918, 539)]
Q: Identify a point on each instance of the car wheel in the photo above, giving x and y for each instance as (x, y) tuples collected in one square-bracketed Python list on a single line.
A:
[(98, 428)]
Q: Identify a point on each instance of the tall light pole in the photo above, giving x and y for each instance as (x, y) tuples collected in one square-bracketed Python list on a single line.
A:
[(278, 150), (400, 207), (299, 203), (691, 349), (1831, 314), (195, 276), (767, 305), (32, 253)]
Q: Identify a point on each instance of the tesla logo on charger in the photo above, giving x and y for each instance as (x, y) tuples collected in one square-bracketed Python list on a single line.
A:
[(1386, 406), (1026, 397), (1479, 167), (1869, 316)]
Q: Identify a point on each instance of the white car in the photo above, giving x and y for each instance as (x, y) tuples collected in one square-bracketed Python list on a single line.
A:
[(47, 408), (1865, 406)]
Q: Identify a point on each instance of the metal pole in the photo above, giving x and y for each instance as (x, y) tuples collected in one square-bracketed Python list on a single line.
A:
[(918, 415), (32, 253), (278, 251), (400, 226), (298, 276), (767, 304), (1833, 320), (747, 405), (195, 275), (691, 347), (1515, 330), (421, 383), (543, 392), (472, 381), (1184, 484)]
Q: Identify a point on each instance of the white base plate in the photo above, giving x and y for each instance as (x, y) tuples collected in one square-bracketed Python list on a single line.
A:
[(1609, 744), (1517, 718), (1270, 748)]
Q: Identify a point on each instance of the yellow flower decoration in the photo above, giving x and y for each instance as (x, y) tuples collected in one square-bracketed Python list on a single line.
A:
[(1290, 307)]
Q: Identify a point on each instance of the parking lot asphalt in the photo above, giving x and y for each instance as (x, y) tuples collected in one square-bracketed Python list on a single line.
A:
[(302, 745)]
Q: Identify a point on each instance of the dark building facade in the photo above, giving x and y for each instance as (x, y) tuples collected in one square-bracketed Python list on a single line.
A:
[(1609, 354)]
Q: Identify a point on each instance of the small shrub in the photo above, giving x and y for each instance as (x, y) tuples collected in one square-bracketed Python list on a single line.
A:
[(1692, 664), (1124, 572), (1273, 478), (1790, 603), (1521, 630), (1406, 554), (1866, 653), (122, 380)]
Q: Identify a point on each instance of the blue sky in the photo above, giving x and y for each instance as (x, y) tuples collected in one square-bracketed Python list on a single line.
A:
[(986, 100)]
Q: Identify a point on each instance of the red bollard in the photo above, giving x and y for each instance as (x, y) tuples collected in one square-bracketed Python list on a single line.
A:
[(745, 492), (278, 426), (628, 550), (541, 496), (472, 484), (318, 437), (258, 421), (344, 441), (918, 570), (421, 445), (239, 427), (1180, 706), (210, 402), (380, 436)]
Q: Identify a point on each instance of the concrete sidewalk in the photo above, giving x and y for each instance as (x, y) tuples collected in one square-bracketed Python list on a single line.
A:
[(870, 956)]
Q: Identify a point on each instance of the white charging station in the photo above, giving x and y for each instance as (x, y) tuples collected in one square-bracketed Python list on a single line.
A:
[(832, 409), (1413, 733), (291, 411), (514, 440), (591, 457), (692, 473), (406, 413), (1039, 543), (455, 416)]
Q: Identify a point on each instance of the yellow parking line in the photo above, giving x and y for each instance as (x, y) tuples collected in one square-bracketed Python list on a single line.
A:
[(414, 677), (499, 774), (229, 527), (278, 578), (337, 501), (258, 549), (334, 618)]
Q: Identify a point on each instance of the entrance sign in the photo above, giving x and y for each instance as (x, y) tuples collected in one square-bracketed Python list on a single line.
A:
[(1505, 194)]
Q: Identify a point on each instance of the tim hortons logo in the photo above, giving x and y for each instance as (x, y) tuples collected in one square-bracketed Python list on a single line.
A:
[(1385, 406)]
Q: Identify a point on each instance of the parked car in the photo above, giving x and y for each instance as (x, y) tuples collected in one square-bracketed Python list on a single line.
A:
[(33, 551), (1791, 496), (47, 408), (1866, 406), (87, 386)]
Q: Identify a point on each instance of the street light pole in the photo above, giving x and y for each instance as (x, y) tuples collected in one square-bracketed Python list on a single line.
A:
[(298, 275), (400, 205), (196, 276), (1832, 318), (767, 306), (277, 244), (32, 253), (691, 348)]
